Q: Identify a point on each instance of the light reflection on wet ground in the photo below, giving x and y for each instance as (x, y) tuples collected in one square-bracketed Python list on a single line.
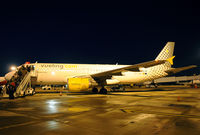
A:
[(158, 112), (52, 106), (52, 125)]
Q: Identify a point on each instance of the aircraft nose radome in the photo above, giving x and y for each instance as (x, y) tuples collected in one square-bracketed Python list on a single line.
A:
[(2, 79)]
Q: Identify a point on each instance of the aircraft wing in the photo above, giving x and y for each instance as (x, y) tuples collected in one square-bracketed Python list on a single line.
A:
[(176, 70), (104, 75)]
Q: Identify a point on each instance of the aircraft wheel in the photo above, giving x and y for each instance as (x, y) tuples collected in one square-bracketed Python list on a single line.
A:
[(103, 91), (95, 90)]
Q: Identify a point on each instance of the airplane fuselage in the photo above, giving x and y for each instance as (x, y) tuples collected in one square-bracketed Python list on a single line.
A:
[(52, 73)]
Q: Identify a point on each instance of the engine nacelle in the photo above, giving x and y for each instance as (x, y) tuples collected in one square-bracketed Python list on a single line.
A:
[(78, 84)]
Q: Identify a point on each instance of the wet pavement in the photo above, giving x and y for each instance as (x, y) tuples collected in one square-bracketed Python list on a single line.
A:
[(166, 111)]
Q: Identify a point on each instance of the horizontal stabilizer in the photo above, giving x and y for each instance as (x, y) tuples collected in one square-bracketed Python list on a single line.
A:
[(176, 70)]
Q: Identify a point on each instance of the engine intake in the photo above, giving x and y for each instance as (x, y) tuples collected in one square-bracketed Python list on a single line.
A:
[(78, 84)]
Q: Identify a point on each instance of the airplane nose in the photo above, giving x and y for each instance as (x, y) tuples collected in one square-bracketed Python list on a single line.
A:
[(2, 81), (9, 75)]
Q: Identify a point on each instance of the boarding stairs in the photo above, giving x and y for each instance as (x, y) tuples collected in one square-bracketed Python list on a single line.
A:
[(24, 88)]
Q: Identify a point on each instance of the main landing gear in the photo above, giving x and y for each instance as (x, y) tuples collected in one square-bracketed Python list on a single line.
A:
[(95, 90), (102, 90)]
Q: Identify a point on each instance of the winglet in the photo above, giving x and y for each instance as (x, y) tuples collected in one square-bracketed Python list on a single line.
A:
[(170, 60)]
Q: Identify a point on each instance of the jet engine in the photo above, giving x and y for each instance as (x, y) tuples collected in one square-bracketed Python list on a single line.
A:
[(78, 84)]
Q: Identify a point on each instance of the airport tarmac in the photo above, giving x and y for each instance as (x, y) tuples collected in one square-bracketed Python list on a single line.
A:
[(162, 111)]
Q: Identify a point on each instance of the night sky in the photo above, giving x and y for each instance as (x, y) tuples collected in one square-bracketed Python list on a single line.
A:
[(99, 33)]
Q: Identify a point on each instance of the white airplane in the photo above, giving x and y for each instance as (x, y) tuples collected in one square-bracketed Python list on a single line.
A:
[(81, 77)]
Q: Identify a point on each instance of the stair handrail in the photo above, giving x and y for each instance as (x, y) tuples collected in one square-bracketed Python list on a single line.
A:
[(23, 83)]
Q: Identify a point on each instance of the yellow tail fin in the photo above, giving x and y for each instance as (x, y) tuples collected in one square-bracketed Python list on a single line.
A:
[(171, 60)]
